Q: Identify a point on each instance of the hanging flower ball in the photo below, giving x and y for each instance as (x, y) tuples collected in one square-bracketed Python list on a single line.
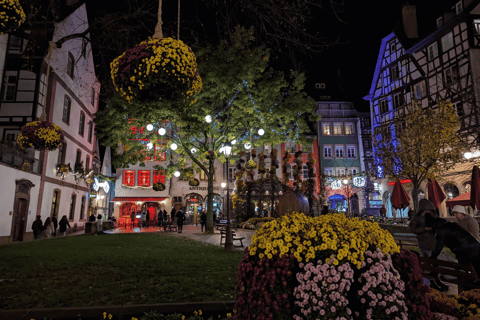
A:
[(156, 69), (210, 155), (11, 15), (159, 186), (41, 135), (194, 182)]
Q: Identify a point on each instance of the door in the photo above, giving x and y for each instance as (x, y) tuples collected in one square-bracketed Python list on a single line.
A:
[(20, 218)]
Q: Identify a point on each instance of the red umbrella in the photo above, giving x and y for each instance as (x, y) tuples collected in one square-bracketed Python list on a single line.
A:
[(435, 193), (400, 198), (461, 200), (475, 188)]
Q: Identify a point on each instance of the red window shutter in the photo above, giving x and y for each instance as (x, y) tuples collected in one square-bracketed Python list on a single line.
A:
[(159, 177), (129, 177), (144, 178)]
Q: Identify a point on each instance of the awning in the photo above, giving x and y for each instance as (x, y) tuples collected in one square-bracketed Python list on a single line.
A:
[(461, 200), (135, 199)]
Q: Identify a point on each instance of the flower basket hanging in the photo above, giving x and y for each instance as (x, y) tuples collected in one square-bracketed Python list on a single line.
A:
[(159, 186), (194, 182), (210, 155), (11, 15), (41, 135), (251, 164), (156, 69)]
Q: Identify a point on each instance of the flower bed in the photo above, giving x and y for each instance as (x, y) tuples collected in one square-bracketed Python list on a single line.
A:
[(255, 223), (156, 69), (41, 135), (11, 15)]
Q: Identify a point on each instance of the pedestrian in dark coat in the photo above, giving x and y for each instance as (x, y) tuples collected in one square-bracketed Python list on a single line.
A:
[(425, 235), (63, 225), (37, 227), (203, 220), (55, 225), (165, 219), (132, 218), (180, 218)]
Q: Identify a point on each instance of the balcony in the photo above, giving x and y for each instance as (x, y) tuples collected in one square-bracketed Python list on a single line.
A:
[(21, 159)]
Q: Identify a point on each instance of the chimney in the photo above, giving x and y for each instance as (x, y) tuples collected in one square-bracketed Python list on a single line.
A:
[(409, 20)]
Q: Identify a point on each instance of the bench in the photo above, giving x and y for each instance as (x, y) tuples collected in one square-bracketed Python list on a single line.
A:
[(405, 239), (463, 275), (239, 239)]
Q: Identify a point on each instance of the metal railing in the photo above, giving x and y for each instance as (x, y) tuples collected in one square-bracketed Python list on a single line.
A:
[(21, 159)]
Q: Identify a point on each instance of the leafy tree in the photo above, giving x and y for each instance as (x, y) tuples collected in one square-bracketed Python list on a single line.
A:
[(240, 92), (422, 145)]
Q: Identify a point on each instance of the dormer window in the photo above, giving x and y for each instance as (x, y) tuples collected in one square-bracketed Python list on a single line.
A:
[(439, 22), (459, 7), (392, 46), (70, 65)]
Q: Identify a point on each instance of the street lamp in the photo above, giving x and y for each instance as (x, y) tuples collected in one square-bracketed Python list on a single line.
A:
[(228, 237)]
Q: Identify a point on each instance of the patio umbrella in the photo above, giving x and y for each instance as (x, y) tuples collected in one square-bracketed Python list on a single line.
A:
[(461, 200), (400, 198), (435, 193), (475, 188)]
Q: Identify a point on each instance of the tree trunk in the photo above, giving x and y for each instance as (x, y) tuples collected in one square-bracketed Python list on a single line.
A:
[(211, 172), (416, 186)]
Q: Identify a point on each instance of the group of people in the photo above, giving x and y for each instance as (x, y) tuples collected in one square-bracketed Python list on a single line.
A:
[(48, 228), (433, 233)]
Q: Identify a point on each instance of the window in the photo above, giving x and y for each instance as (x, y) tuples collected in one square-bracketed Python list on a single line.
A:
[(305, 172), (319, 85), (420, 90), (81, 124), (459, 108), (70, 65), (87, 164), (55, 203), (326, 129), (202, 175), (15, 44), (291, 171), (78, 158), (67, 104), (338, 151), (231, 173), (84, 47), (328, 171), (266, 149), (394, 73), (383, 106), (129, 178), (144, 178), (397, 100), (451, 75), (90, 131), (340, 171), (458, 7), (337, 128), (476, 26), (392, 46), (62, 150), (439, 22), (432, 51), (366, 122), (73, 201), (92, 99), (327, 151), (352, 171), (158, 177), (367, 144), (82, 208), (159, 153), (10, 86), (351, 152), (447, 42), (349, 128), (290, 146), (42, 88)]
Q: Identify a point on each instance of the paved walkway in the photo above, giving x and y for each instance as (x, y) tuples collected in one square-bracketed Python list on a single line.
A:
[(194, 232)]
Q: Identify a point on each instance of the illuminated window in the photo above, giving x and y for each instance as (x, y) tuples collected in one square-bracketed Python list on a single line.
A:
[(328, 171), (290, 146), (352, 171), (340, 172), (144, 178), (337, 128), (159, 177), (349, 128), (326, 129), (55, 203), (129, 178)]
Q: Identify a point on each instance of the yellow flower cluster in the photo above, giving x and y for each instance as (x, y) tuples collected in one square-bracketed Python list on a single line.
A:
[(11, 15), (324, 237), (169, 62), (51, 137)]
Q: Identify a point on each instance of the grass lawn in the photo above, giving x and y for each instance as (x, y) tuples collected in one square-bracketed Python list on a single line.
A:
[(114, 270)]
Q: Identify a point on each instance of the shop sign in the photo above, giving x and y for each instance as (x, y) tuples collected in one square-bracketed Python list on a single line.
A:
[(377, 186), (359, 182), (202, 188)]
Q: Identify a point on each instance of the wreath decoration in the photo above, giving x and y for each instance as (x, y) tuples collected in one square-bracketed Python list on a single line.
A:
[(11, 15), (41, 135), (156, 69), (159, 186)]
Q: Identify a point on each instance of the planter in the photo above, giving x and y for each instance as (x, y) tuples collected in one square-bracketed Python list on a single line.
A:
[(41, 135), (156, 69), (159, 186), (194, 182), (11, 16)]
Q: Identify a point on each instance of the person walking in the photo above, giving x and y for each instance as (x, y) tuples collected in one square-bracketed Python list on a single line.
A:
[(63, 225), (132, 218), (47, 228), (465, 221), (180, 218), (37, 227), (143, 218), (165, 219), (55, 225), (99, 224), (203, 221)]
